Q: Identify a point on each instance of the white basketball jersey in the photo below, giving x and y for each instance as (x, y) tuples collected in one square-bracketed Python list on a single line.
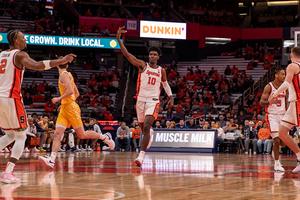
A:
[(295, 87), (148, 84), (279, 108), (10, 76)]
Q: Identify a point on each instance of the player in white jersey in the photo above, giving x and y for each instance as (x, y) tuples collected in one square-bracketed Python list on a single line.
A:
[(148, 91), (291, 117), (275, 112), (12, 113)]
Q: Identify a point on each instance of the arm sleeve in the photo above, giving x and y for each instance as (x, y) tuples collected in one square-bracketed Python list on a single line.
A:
[(284, 86), (167, 88)]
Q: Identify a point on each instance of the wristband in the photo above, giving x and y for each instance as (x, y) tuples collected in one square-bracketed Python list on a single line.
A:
[(47, 64)]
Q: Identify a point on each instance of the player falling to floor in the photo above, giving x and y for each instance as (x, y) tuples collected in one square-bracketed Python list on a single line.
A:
[(70, 114), (13, 119), (275, 112), (148, 91), (291, 118)]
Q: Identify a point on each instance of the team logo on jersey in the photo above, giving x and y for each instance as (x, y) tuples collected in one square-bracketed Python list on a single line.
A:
[(152, 73)]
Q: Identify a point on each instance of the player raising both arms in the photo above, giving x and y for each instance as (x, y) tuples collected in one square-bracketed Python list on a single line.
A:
[(70, 114), (275, 112), (291, 118), (13, 119), (148, 90)]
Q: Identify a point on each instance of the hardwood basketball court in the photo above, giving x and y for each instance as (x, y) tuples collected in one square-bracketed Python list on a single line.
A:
[(165, 176)]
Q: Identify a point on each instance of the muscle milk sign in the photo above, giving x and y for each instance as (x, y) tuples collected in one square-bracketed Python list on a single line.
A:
[(183, 138)]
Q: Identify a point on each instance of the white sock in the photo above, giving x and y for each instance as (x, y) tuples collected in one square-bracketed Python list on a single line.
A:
[(298, 155), (77, 146), (9, 167), (142, 154), (102, 136), (277, 162), (53, 156), (47, 145), (44, 145)]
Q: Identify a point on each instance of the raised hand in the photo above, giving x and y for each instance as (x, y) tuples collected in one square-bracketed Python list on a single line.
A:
[(68, 58), (120, 32)]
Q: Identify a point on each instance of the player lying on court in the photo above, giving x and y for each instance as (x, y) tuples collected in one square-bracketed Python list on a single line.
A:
[(291, 118), (150, 78), (70, 114), (13, 118), (275, 113)]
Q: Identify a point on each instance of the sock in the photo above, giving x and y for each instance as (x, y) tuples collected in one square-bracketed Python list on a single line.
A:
[(298, 155), (277, 162), (77, 146), (64, 146), (142, 154), (102, 136), (47, 146), (44, 145), (53, 156), (9, 167)]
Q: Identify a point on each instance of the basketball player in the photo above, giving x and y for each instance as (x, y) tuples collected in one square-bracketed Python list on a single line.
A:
[(275, 113), (148, 91), (70, 114), (291, 118), (13, 118)]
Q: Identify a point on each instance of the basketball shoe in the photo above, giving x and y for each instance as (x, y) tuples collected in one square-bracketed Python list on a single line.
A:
[(109, 141), (9, 178), (46, 161), (297, 168)]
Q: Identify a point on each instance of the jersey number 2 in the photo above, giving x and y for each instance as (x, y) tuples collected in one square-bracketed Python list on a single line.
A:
[(3, 66), (152, 81)]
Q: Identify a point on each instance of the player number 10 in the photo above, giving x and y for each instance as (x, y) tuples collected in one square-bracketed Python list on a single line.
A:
[(152, 81)]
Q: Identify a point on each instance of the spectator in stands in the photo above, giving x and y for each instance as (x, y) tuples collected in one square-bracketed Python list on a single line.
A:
[(51, 88), (227, 70), (27, 99), (85, 28), (10, 28), (178, 115), (49, 108), (157, 124), (222, 121), (169, 115), (105, 32), (266, 65), (226, 99), (265, 47), (33, 88), (88, 65), (251, 137), (264, 138), (38, 97), (239, 136), (123, 133), (249, 66), (48, 96), (141, 16), (136, 133), (88, 13), (182, 125), (84, 110), (95, 114), (269, 57), (82, 81), (68, 32), (191, 124), (277, 55), (234, 69), (41, 88), (204, 109), (2, 29), (96, 28)]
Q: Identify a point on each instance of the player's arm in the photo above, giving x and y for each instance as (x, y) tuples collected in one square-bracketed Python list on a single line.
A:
[(132, 59), (167, 87), (291, 70), (23, 60), (263, 100), (286, 101), (65, 79), (76, 91)]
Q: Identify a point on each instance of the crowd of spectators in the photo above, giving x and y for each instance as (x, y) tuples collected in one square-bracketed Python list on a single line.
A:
[(100, 12)]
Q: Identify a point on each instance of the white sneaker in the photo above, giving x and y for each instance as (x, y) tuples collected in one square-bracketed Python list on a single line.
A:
[(278, 168), (35, 150), (46, 161), (246, 152), (150, 141), (254, 153), (89, 148), (139, 161), (26, 150), (6, 150), (105, 148), (109, 141), (61, 150), (297, 168)]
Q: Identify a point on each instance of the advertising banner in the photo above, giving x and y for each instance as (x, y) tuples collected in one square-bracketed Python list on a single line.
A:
[(50, 40), (167, 30)]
